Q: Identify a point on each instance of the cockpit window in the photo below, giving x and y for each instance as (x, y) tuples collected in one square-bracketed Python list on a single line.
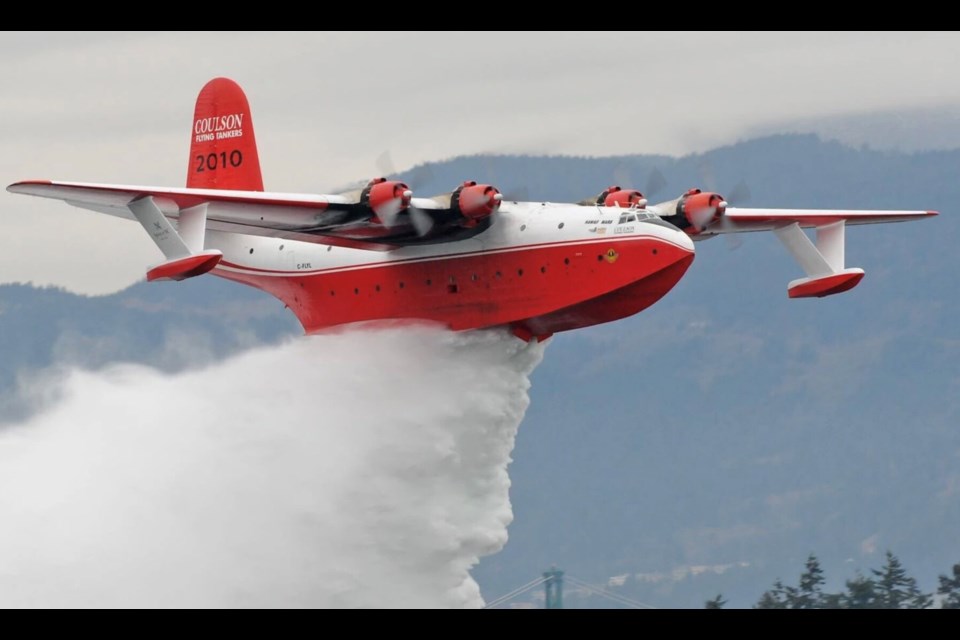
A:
[(629, 218)]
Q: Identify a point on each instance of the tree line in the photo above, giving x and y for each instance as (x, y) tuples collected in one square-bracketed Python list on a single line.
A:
[(888, 587)]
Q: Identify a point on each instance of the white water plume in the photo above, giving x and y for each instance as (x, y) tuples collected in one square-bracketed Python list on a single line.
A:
[(362, 469)]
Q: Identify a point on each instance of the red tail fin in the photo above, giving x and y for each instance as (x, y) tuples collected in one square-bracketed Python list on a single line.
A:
[(223, 151)]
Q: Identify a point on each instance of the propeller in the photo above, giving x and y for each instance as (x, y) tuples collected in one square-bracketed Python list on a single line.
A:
[(386, 198), (654, 185), (702, 208), (737, 196), (422, 174)]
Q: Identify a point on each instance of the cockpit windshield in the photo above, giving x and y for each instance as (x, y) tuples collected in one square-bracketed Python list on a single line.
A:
[(634, 215)]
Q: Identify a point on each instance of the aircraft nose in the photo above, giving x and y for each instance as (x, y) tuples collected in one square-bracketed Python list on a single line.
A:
[(684, 240), (681, 238), (676, 241), (675, 251), (670, 235)]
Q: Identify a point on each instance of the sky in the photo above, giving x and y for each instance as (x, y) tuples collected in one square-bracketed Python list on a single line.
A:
[(116, 107)]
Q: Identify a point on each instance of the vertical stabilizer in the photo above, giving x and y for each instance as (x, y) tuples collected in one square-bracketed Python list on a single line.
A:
[(223, 151)]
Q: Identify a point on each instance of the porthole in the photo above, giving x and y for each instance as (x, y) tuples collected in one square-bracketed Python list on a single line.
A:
[(401, 285), (251, 249), (566, 261), (543, 269), (519, 272), (356, 291), (281, 247), (474, 277), (654, 252), (523, 227), (560, 226)]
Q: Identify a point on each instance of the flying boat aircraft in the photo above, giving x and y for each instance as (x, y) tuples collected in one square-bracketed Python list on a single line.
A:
[(468, 258)]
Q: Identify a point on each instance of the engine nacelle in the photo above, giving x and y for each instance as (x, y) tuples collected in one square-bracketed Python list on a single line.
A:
[(614, 196), (475, 201), (696, 210), (386, 198)]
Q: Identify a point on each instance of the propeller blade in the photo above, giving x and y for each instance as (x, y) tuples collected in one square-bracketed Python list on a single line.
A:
[(739, 194), (418, 176), (622, 177), (389, 212), (421, 220), (385, 164), (655, 182), (708, 177), (733, 240), (700, 218)]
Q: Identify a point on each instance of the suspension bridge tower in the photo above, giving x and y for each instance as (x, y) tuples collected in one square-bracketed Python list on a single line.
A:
[(553, 583)]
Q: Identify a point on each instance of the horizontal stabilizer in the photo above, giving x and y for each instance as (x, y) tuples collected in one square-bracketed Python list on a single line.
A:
[(187, 267)]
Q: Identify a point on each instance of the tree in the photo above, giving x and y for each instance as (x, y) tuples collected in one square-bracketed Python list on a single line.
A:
[(809, 594), (896, 590), (886, 588), (950, 589), (775, 598), (861, 593), (715, 603)]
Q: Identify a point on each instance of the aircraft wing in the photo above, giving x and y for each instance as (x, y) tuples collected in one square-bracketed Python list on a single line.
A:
[(822, 259), (739, 220), (322, 219)]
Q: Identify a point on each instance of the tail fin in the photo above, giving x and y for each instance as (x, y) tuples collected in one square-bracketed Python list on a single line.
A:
[(223, 151)]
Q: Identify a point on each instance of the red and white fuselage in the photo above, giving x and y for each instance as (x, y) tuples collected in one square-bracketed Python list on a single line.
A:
[(539, 268)]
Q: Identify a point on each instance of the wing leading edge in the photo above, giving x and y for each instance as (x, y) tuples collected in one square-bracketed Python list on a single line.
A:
[(739, 220)]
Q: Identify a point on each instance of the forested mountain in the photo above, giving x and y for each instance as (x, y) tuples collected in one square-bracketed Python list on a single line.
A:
[(707, 445)]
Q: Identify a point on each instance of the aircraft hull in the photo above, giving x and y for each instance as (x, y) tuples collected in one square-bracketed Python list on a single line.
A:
[(535, 289)]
